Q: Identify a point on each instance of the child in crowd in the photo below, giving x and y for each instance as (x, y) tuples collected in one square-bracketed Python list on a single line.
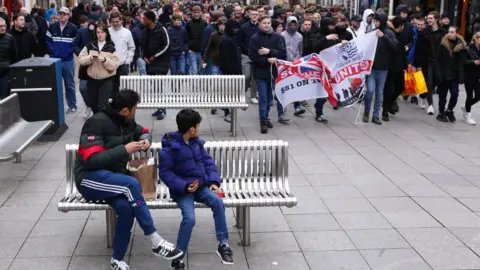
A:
[(191, 175)]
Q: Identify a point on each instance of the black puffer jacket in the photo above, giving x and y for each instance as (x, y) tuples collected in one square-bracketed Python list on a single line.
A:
[(230, 58), (156, 42), (324, 31), (195, 33), (26, 43), (8, 53), (310, 40), (386, 45), (452, 55), (421, 55), (434, 39)]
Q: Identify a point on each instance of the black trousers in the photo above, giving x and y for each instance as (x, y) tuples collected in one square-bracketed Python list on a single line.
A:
[(443, 88), (393, 88), (99, 92), (472, 89), (121, 71)]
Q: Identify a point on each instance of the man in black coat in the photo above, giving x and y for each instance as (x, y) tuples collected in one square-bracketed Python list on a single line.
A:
[(8, 56), (195, 29), (25, 40), (155, 44)]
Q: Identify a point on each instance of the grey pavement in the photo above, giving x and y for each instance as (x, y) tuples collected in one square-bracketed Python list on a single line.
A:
[(404, 195)]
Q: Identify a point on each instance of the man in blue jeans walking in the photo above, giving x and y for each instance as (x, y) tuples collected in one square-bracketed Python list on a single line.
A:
[(60, 36), (191, 176), (107, 141)]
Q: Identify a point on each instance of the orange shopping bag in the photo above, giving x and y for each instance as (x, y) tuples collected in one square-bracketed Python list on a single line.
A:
[(409, 89), (420, 84)]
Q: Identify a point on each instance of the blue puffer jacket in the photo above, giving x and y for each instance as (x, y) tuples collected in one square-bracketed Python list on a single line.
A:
[(181, 164), (60, 42)]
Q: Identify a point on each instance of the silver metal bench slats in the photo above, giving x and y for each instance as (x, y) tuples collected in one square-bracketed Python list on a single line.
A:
[(253, 174), (189, 91), (16, 134)]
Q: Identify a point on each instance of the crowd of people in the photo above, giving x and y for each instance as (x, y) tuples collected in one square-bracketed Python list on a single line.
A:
[(216, 38)]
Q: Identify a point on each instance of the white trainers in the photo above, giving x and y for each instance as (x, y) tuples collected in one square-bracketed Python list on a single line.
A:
[(254, 100), (88, 113), (469, 120), (430, 110), (118, 265), (422, 103), (464, 113)]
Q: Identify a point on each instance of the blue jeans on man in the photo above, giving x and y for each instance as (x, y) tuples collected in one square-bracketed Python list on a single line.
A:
[(141, 66), (124, 194), (177, 64), (4, 87), (68, 74), (375, 85), (194, 63), (265, 95), (187, 206)]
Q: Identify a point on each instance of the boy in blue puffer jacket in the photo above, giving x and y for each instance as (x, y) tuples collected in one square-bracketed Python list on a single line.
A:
[(191, 176)]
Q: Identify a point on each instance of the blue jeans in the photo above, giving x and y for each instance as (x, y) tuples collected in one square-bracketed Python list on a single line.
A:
[(375, 84), (319, 106), (177, 64), (215, 70), (265, 95), (124, 194), (4, 87), (186, 205), (84, 91), (194, 61), (68, 74), (142, 67), (208, 68)]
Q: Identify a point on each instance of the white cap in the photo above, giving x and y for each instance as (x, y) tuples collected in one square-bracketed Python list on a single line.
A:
[(64, 10)]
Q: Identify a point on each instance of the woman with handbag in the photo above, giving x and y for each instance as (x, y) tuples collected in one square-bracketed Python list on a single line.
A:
[(472, 78), (102, 61)]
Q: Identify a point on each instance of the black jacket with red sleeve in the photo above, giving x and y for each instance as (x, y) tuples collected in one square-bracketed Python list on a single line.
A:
[(102, 143)]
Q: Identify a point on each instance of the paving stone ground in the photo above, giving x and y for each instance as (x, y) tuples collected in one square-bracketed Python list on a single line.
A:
[(404, 195)]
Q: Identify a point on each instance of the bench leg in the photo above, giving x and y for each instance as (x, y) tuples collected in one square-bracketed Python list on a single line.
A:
[(111, 218), (239, 217), (246, 226), (233, 124), (18, 159)]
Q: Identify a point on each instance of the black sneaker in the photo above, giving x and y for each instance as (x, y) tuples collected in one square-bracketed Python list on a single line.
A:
[(156, 113), (442, 117), (225, 254), (321, 118), (177, 265), (299, 111), (376, 120), (213, 111), (304, 103), (263, 127), (385, 117), (161, 114), (365, 117), (414, 100), (450, 116), (268, 124), (167, 250)]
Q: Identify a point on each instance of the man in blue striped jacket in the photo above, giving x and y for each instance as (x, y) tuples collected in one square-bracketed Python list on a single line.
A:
[(60, 36)]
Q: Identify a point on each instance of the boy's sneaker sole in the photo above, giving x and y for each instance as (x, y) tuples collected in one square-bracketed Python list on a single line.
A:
[(224, 262)]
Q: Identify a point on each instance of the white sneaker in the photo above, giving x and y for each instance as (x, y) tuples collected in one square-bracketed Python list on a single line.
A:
[(254, 100), (469, 120), (430, 110), (422, 103), (464, 112), (118, 265), (87, 114)]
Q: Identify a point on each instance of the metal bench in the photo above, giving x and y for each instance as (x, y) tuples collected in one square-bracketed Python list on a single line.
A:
[(253, 174), (190, 91), (16, 134)]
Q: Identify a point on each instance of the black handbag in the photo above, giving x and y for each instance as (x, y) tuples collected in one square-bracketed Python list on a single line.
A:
[(82, 73)]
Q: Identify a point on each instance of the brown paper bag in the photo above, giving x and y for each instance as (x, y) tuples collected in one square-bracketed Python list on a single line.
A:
[(146, 173)]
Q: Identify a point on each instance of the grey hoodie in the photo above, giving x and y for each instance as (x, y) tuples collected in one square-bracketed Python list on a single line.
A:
[(294, 43)]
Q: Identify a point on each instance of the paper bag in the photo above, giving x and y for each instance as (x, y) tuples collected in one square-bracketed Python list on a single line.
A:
[(146, 173)]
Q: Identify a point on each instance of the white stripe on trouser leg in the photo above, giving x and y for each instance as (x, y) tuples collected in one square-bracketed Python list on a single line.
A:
[(123, 191), (107, 187), (114, 189)]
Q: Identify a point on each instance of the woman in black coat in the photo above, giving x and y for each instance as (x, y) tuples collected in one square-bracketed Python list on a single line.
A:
[(472, 78)]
